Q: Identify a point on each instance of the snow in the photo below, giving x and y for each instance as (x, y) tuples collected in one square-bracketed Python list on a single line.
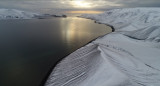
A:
[(18, 14), (130, 56)]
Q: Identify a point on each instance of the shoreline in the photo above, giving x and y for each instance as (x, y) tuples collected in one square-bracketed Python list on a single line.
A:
[(50, 71), (122, 55)]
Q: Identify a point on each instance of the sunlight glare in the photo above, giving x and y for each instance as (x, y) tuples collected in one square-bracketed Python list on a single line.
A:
[(81, 4)]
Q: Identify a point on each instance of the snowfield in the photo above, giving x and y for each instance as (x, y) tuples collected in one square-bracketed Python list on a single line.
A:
[(130, 56)]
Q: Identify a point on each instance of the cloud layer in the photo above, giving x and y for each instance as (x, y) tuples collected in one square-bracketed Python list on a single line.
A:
[(76, 4)]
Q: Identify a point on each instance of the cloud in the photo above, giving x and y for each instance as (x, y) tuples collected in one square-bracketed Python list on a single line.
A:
[(56, 4), (46, 5), (137, 3)]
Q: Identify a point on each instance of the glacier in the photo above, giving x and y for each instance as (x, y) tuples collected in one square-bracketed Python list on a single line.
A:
[(129, 56)]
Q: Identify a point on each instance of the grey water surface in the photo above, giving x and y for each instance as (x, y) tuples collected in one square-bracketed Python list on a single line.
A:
[(29, 49)]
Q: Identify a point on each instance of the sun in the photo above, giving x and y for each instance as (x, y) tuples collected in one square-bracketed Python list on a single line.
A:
[(81, 4)]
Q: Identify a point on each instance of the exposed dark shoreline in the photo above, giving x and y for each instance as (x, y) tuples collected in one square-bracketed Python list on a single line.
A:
[(99, 23), (104, 24)]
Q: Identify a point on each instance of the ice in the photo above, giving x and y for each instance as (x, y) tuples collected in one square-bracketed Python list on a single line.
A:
[(130, 56)]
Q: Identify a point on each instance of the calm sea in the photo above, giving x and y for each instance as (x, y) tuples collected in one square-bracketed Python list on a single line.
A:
[(29, 49)]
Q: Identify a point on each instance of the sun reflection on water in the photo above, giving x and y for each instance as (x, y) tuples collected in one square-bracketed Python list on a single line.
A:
[(73, 31), (80, 30)]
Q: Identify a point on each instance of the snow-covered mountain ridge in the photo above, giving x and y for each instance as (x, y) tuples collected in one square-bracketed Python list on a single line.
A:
[(121, 18), (18, 14), (139, 23), (130, 56)]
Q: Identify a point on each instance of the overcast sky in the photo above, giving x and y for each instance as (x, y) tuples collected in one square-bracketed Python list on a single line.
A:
[(47, 5)]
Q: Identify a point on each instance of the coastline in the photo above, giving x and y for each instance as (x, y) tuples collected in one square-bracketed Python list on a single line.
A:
[(50, 71), (117, 52)]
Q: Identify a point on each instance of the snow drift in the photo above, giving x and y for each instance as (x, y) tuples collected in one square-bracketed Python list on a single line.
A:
[(130, 56)]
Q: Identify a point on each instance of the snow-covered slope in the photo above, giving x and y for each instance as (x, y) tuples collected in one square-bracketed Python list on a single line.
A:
[(130, 56), (16, 14), (140, 23)]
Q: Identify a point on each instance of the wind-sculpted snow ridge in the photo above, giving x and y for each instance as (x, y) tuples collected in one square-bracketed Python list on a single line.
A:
[(130, 56)]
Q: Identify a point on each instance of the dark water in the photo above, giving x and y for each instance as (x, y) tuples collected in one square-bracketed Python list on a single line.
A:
[(30, 48)]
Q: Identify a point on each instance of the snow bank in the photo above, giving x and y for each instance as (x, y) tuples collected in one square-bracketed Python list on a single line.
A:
[(130, 56)]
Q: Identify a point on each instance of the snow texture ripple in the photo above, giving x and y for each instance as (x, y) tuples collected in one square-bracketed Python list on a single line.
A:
[(130, 56)]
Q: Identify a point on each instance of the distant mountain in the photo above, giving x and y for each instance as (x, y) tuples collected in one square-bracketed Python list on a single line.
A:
[(138, 23), (18, 14)]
